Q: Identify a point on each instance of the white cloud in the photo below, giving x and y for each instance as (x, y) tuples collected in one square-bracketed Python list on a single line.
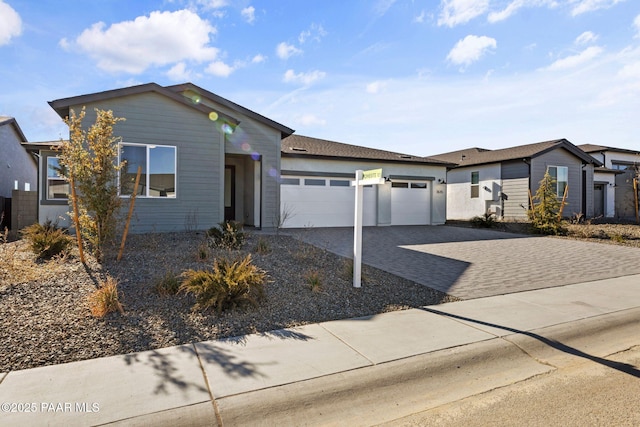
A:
[(179, 72), (303, 78), (285, 50), (10, 23), (470, 49), (584, 6), (158, 39), (586, 38), (220, 69), (375, 87), (310, 120), (315, 33), (575, 60), (455, 12), (420, 18), (382, 6), (249, 14), (636, 23), (258, 59), (506, 12)]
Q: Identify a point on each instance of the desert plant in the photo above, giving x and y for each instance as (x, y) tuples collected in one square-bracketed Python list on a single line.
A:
[(105, 299), (262, 247), (486, 220), (544, 214), (228, 235), (617, 237), (228, 285), (282, 217), (202, 252), (47, 240), (346, 271), (314, 280), (89, 160), (169, 284)]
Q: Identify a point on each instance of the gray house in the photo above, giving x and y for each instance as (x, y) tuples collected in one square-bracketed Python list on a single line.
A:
[(203, 158), (499, 181), (18, 170)]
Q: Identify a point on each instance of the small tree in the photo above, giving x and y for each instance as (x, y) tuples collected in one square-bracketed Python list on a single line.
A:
[(544, 214), (89, 160)]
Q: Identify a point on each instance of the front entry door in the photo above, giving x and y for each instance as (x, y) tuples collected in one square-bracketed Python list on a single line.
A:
[(229, 193), (598, 200)]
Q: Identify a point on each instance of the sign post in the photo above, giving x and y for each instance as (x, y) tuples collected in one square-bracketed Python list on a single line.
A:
[(370, 177)]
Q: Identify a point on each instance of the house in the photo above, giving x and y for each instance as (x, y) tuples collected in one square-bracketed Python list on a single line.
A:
[(316, 189), (613, 181), (499, 181), (204, 159), (17, 168)]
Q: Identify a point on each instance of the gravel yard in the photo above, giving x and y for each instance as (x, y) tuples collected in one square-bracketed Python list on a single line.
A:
[(46, 319)]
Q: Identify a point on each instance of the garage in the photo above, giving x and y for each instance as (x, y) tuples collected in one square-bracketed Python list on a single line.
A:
[(312, 201), (410, 203)]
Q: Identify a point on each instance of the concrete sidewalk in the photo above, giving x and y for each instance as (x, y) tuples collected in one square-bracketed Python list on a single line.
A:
[(360, 371)]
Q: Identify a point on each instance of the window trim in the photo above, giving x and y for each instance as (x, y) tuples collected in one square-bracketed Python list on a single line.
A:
[(475, 187), (147, 173), (47, 179), (557, 182)]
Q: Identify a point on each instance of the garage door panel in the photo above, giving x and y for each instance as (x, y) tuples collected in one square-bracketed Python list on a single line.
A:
[(410, 206)]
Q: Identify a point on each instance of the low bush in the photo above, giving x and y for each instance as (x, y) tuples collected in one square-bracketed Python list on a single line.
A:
[(47, 240), (487, 220), (228, 235), (105, 299), (314, 280), (228, 285), (169, 284), (262, 247)]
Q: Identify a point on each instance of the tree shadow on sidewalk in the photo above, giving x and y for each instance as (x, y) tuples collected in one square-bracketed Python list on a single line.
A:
[(622, 367)]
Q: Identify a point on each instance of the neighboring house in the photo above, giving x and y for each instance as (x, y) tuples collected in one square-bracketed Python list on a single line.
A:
[(203, 158), (316, 186), (613, 182), (18, 171), (499, 181), (17, 167)]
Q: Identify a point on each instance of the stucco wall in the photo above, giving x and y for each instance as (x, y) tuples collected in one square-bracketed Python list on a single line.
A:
[(460, 204)]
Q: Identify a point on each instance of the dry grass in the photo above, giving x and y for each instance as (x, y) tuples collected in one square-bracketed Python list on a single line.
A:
[(19, 265), (105, 299), (313, 279)]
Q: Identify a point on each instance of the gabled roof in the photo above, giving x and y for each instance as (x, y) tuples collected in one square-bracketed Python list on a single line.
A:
[(6, 121), (479, 156), (177, 93), (190, 87), (593, 148), (304, 146)]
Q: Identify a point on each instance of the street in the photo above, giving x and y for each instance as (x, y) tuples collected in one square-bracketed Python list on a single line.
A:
[(585, 393)]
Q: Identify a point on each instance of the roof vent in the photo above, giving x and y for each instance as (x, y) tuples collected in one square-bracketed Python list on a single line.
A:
[(297, 149), (404, 156)]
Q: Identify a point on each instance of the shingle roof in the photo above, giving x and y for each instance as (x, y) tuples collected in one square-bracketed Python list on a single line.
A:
[(304, 146), (593, 148), (478, 156)]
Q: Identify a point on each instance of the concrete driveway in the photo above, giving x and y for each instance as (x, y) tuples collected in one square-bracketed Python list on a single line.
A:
[(472, 263)]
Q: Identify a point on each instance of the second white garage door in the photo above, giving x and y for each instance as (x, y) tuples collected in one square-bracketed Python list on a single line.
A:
[(323, 202), (410, 203)]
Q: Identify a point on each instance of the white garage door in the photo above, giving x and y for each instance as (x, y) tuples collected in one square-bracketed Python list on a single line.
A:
[(323, 202), (410, 203)]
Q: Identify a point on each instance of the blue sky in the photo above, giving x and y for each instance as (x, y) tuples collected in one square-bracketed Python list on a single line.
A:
[(421, 77)]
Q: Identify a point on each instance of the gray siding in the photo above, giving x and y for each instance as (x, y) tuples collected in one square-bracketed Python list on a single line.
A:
[(15, 163), (155, 119), (560, 157), (515, 198)]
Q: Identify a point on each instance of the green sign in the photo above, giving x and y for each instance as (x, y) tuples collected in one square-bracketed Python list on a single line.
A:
[(372, 174)]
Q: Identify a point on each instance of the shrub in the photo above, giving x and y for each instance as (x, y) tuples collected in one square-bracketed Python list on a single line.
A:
[(617, 237), (262, 247), (545, 215), (487, 220), (228, 285), (313, 280), (227, 235), (202, 253), (346, 271), (105, 299), (169, 284), (47, 240)]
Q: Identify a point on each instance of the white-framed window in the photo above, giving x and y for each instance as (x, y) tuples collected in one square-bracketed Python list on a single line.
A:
[(315, 182), (158, 175), (475, 184), (290, 181), (560, 176), (57, 185)]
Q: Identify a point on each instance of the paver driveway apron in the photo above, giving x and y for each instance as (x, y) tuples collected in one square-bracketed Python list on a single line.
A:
[(472, 263)]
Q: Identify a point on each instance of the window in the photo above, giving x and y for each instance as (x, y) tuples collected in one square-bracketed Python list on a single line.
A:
[(57, 185), (560, 176), (290, 181), (475, 185), (158, 175), (311, 181), (339, 183), (421, 185), (399, 184)]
